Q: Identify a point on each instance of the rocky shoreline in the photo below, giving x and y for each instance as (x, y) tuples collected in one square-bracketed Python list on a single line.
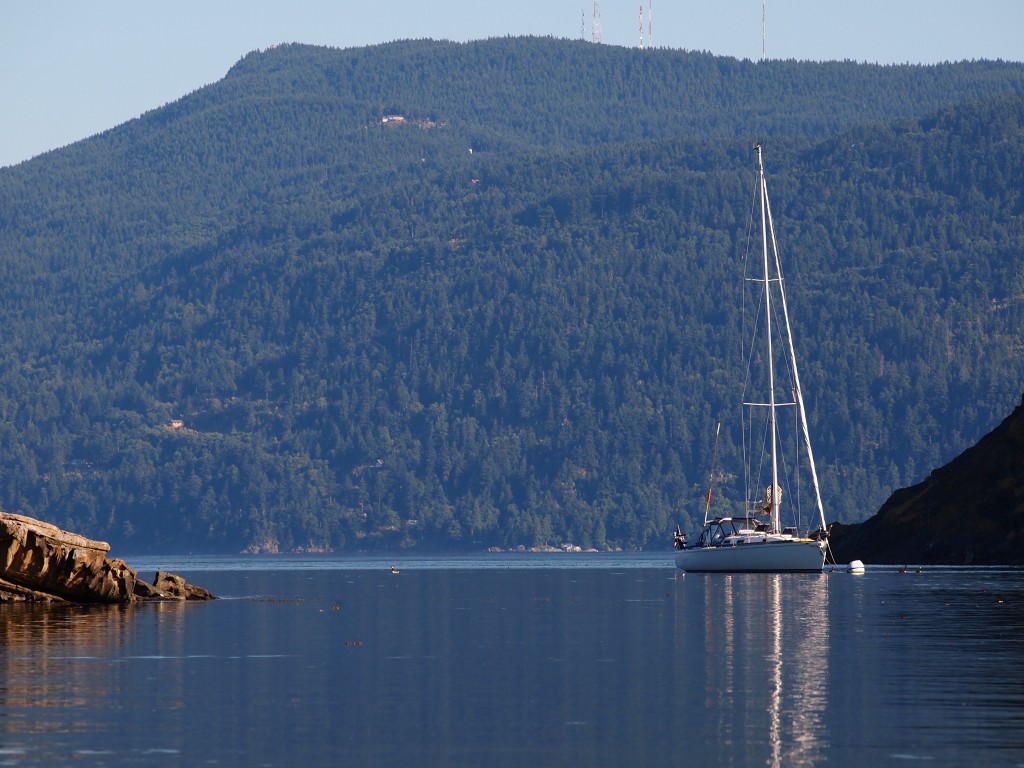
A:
[(41, 563)]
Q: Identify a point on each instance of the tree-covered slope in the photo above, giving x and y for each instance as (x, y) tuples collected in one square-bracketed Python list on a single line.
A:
[(264, 317)]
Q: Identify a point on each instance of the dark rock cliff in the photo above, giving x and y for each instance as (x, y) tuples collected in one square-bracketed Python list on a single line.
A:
[(970, 511)]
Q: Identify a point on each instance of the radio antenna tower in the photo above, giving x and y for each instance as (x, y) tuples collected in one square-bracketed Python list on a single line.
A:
[(650, 23), (763, 2), (641, 26), (595, 24), (583, 25)]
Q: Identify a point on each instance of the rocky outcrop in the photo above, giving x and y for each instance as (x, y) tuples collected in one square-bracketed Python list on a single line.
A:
[(173, 587), (40, 562), (169, 586), (970, 511), (41, 558)]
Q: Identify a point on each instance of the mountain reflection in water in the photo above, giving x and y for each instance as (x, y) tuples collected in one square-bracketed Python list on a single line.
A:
[(562, 660)]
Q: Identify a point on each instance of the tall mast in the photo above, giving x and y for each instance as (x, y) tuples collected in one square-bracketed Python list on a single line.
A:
[(792, 357), (774, 489)]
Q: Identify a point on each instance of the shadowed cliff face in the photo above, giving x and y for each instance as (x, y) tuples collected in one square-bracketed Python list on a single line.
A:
[(971, 511)]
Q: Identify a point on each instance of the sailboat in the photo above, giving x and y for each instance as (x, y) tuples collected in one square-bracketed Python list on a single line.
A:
[(756, 541)]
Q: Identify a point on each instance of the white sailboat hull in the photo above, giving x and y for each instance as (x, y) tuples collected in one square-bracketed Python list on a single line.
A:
[(788, 556)]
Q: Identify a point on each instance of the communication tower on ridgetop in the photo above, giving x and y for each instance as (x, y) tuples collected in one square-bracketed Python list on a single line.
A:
[(650, 23), (595, 24), (763, 2)]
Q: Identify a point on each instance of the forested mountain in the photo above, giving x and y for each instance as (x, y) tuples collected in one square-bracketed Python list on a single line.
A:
[(462, 295)]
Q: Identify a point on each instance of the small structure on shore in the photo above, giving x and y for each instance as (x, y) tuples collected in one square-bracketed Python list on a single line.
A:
[(39, 562)]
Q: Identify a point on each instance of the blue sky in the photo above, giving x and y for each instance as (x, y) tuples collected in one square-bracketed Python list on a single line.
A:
[(72, 68)]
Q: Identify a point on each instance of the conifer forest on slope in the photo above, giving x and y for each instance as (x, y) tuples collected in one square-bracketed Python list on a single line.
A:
[(443, 295)]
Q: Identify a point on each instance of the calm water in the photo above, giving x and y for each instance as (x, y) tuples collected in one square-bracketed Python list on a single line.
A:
[(502, 660)]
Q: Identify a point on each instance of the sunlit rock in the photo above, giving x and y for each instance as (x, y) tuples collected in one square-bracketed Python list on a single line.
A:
[(43, 558), (39, 562)]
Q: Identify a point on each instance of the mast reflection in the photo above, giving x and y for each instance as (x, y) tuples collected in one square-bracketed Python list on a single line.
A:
[(763, 657)]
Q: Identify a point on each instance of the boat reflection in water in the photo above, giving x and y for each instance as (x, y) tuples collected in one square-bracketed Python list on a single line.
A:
[(765, 668), (563, 660)]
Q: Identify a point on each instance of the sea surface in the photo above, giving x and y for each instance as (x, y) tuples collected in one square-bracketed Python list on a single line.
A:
[(522, 660)]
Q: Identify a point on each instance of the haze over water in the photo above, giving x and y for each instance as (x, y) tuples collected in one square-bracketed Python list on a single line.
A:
[(546, 660)]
